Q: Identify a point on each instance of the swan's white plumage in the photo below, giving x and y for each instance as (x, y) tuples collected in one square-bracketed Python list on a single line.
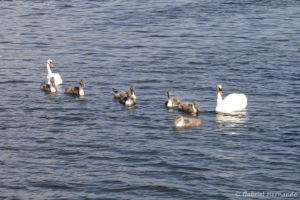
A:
[(56, 76), (231, 103), (179, 124), (81, 92), (52, 89)]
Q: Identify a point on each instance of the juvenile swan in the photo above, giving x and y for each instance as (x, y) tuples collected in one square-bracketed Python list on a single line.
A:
[(231, 103), (57, 77), (122, 94), (172, 102), (181, 121), (191, 108), (129, 100), (49, 87), (78, 91)]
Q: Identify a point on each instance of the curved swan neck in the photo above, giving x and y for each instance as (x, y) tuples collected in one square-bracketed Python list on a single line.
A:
[(133, 95), (194, 109), (219, 99), (49, 70)]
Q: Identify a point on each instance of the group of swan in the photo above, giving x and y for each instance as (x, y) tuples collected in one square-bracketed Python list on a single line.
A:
[(54, 79), (230, 104), (187, 107)]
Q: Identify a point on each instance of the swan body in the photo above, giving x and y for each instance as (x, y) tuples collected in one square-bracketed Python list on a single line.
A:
[(57, 77), (181, 121), (172, 102), (129, 100), (191, 108), (231, 103), (49, 87), (78, 91)]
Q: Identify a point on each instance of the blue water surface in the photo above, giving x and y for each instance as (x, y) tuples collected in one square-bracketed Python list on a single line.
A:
[(61, 147)]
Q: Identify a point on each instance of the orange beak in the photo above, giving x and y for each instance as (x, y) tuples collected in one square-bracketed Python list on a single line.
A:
[(51, 64), (220, 91)]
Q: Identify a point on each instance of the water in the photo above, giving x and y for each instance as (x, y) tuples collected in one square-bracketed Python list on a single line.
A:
[(61, 147)]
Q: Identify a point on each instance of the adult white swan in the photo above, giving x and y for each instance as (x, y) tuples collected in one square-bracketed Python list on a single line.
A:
[(232, 103), (57, 77)]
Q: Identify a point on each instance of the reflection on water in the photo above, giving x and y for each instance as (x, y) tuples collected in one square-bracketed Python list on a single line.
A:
[(183, 129), (178, 129), (49, 94), (130, 109), (170, 110), (231, 120), (63, 146)]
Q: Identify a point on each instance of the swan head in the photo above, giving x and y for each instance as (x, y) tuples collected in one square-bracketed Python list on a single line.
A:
[(132, 88), (219, 89), (50, 62), (81, 83)]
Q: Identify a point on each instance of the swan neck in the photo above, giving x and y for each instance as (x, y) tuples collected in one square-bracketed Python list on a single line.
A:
[(133, 95), (49, 70), (194, 109), (81, 91), (219, 99)]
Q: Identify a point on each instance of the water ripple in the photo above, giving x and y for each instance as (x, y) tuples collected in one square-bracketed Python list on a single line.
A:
[(61, 147)]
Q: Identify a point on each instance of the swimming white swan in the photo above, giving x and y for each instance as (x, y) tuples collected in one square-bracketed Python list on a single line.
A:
[(57, 77), (232, 103)]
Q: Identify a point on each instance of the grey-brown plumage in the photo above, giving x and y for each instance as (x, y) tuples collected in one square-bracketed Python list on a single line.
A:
[(172, 102), (49, 87), (181, 121), (191, 108), (122, 94), (78, 91), (129, 99)]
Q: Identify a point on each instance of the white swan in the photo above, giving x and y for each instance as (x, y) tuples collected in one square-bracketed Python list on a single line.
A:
[(232, 103), (57, 77)]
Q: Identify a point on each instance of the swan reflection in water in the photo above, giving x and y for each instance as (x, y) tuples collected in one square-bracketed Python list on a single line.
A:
[(231, 120)]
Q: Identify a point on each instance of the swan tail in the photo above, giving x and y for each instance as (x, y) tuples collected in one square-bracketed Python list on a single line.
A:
[(244, 102)]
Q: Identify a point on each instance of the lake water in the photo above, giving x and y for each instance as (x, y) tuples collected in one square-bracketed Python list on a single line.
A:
[(61, 147)]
